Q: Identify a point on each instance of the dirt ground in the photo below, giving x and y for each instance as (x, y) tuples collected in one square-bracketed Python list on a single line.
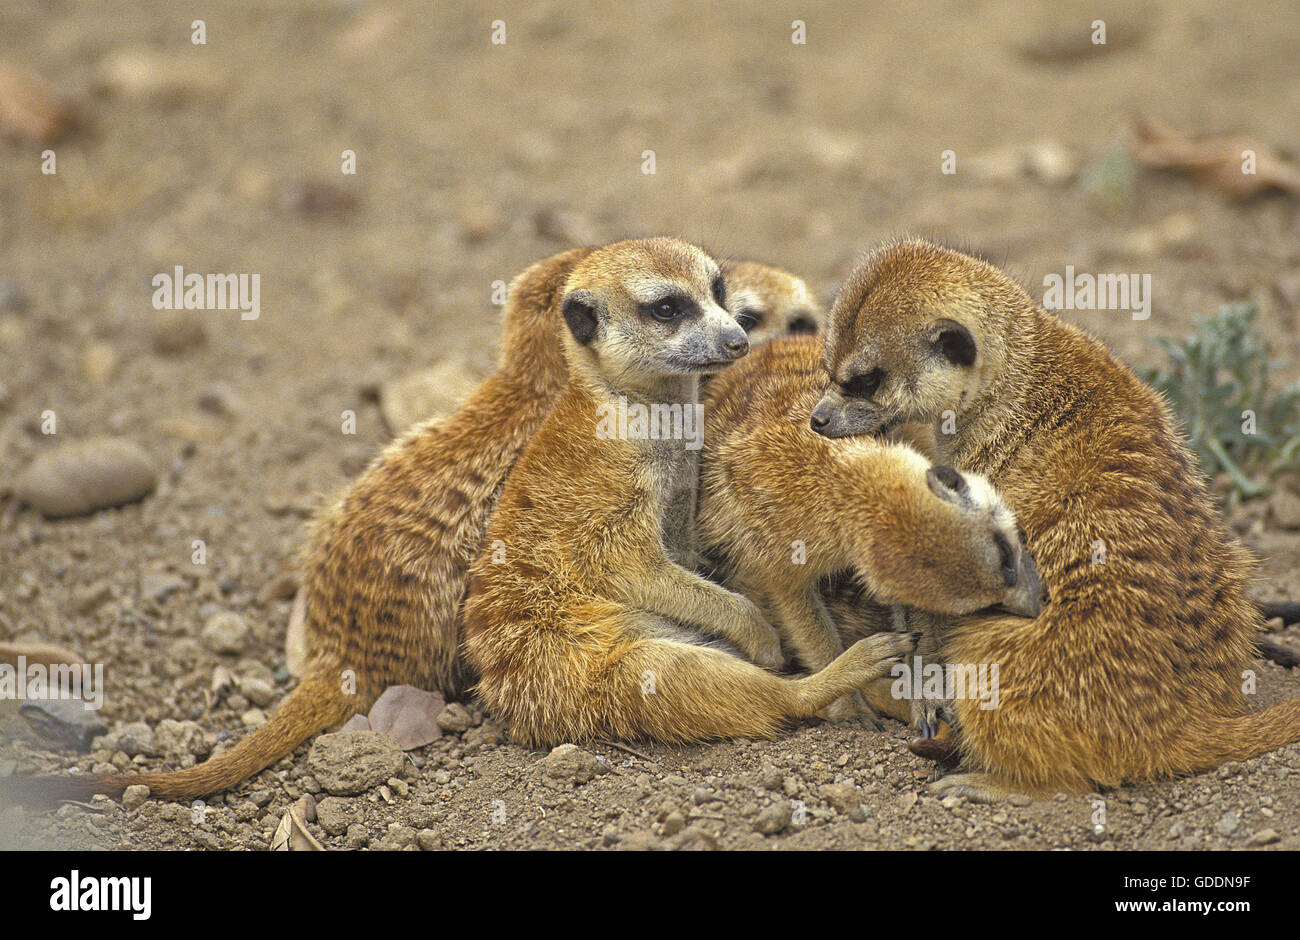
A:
[(474, 159)]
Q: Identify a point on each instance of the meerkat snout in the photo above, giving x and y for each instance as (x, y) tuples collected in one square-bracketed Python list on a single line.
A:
[(1025, 593)]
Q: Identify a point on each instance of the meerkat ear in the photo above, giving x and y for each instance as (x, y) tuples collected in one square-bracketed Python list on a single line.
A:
[(580, 314), (955, 343), (947, 483)]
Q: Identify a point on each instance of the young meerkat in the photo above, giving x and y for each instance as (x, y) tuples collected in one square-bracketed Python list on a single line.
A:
[(385, 567), (782, 507), (584, 624), (1133, 671), (769, 302)]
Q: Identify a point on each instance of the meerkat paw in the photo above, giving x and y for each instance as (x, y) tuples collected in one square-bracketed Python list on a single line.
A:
[(928, 715), (759, 640), (978, 788), (853, 705)]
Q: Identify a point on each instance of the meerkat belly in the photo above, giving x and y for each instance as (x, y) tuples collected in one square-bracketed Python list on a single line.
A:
[(679, 469)]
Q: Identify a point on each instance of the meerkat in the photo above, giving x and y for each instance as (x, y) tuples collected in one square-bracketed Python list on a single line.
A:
[(1134, 670), (782, 508), (769, 301), (585, 624), (385, 567)]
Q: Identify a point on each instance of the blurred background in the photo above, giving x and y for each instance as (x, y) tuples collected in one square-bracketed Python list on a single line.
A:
[(484, 138)]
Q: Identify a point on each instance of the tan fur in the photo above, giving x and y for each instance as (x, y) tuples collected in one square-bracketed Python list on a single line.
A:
[(1134, 670), (783, 508), (779, 302), (385, 568), (589, 626)]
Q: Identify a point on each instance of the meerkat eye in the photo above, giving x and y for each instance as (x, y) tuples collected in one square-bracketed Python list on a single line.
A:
[(1006, 558), (667, 309), (802, 322), (749, 318), (864, 384), (720, 291)]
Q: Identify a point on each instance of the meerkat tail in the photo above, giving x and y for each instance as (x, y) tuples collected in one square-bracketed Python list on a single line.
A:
[(316, 704), (1240, 737)]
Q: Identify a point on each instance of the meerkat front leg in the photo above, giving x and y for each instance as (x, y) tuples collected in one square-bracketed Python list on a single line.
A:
[(809, 628), (671, 591)]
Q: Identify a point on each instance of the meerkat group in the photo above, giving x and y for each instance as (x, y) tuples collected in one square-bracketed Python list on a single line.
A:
[(515, 549)]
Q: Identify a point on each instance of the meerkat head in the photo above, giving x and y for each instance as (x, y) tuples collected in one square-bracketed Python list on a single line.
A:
[(649, 309), (916, 331), (770, 302), (1003, 572)]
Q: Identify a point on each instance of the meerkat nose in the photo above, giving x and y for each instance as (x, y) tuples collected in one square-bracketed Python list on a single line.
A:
[(818, 422), (736, 347)]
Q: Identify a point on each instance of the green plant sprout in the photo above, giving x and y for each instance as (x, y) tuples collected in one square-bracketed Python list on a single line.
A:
[(1218, 385)]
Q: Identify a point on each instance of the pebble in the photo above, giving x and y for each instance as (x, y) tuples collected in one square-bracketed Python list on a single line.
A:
[(161, 77), (99, 363), (429, 393), (454, 718), (673, 823), (350, 762), (570, 762), (843, 796), (357, 837), (258, 691), (135, 795), (1264, 837), (63, 722), (81, 477), (773, 819), (175, 331), (334, 815), (253, 718), (226, 632), (1227, 824), (428, 840), (1285, 508)]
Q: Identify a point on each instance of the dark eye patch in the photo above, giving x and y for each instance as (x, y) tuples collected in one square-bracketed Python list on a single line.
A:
[(749, 318), (1006, 558), (720, 291), (864, 384), (669, 308)]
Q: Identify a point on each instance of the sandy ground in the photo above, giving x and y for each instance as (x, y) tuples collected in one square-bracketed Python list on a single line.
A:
[(474, 159)]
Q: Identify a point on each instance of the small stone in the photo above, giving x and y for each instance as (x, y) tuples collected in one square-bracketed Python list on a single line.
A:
[(1264, 837), (429, 393), (454, 718), (350, 762), (428, 840), (357, 837), (63, 722), (334, 815), (773, 819), (673, 823), (570, 762), (258, 691), (951, 802), (82, 477), (161, 77), (253, 718), (843, 796), (226, 632), (175, 331), (99, 363), (1227, 824), (135, 795), (1285, 508)]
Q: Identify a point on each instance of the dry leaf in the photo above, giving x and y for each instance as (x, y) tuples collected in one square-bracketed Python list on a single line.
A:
[(408, 714), (357, 723), (1220, 162), (295, 636), (292, 835), (29, 111)]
